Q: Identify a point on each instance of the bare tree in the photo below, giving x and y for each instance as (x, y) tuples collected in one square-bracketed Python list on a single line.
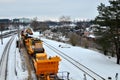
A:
[(64, 20), (74, 39), (34, 24)]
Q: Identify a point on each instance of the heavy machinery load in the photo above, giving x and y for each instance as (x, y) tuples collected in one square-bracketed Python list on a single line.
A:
[(34, 46), (25, 33), (29, 31), (46, 68)]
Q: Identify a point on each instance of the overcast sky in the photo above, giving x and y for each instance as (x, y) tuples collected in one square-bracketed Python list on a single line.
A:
[(45, 9)]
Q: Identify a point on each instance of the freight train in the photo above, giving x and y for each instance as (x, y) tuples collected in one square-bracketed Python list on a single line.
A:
[(45, 68)]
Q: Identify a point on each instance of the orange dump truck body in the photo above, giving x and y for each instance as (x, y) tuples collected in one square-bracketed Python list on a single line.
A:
[(38, 45), (31, 45), (47, 66)]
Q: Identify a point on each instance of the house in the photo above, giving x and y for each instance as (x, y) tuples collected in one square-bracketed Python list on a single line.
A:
[(5, 21)]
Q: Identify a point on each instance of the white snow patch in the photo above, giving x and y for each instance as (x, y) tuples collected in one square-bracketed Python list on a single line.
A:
[(95, 61)]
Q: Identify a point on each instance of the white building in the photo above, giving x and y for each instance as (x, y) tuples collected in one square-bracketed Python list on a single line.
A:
[(24, 20)]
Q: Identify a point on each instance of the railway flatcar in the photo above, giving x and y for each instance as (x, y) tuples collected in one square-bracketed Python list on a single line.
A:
[(46, 68)]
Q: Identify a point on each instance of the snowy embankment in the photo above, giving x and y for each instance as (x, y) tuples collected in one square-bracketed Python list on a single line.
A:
[(16, 68), (2, 46), (102, 65), (97, 62)]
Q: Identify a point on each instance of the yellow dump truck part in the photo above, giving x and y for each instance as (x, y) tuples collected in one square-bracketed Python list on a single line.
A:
[(41, 56), (38, 45), (30, 50), (49, 66), (27, 42), (29, 31), (29, 46)]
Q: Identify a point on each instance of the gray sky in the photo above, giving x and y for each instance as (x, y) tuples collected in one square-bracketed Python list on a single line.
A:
[(45, 9)]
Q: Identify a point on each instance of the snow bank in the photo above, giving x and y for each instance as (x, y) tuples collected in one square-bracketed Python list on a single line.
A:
[(15, 68), (5, 40), (22, 74), (97, 62)]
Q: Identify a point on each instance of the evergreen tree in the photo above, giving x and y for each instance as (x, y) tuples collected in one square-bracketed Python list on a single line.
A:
[(109, 26)]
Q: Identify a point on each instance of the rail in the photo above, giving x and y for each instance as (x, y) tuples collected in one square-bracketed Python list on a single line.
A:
[(77, 64), (4, 60)]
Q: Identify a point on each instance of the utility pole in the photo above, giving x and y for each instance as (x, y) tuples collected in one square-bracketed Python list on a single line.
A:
[(1, 29), (1, 38), (18, 30), (19, 41)]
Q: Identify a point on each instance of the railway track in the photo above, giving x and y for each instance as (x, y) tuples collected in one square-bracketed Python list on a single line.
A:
[(77, 64), (4, 60), (8, 34), (29, 63)]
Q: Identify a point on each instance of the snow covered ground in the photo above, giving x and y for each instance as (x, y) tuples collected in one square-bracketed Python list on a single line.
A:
[(97, 62), (102, 65), (2, 46), (15, 69)]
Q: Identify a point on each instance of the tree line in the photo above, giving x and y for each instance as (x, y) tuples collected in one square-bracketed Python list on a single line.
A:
[(109, 28)]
